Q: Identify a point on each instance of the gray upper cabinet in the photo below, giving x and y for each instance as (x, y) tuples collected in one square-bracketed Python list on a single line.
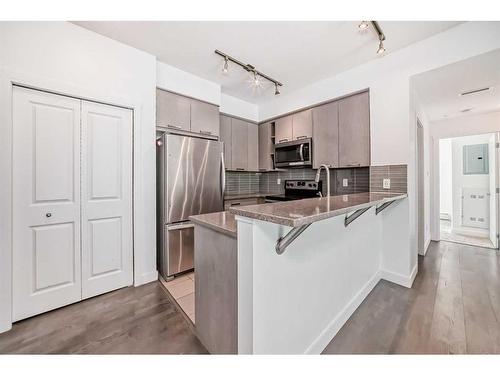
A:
[(284, 129), (239, 145), (173, 111), (354, 130), (253, 147), (225, 136), (265, 147), (325, 135), (302, 124), (204, 118)]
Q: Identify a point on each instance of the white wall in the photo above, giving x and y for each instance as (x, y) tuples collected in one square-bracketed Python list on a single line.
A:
[(460, 181), (471, 124), (446, 178), (239, 108)]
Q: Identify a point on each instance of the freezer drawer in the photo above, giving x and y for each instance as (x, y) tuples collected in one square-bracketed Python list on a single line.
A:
[(177, 249)]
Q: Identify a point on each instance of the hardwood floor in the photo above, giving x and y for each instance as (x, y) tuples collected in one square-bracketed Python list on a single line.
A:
[(453, 307), (127, 321)]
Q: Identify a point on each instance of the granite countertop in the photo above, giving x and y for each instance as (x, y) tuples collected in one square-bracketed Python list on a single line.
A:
[(307, 211), (222, 222), (247, 195)]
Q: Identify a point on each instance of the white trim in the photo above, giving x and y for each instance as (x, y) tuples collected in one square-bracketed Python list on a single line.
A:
[(426, 246), (397, 278), (9, 78), (320, 343)]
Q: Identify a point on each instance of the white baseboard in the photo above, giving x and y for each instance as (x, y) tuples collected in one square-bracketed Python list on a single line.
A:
[(426, 247), (5, 327), (146, 278), (336, 324), (397, 278)]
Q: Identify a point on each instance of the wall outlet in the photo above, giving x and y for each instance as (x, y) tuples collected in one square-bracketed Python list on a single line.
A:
[(278, 181), (345, 182), (386, 184)]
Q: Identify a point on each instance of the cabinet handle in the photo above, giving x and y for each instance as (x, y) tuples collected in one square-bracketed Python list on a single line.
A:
[(262, 169), (283, 140), (302, 137), (240, 169), (205, 132), (235, 204), (174, 126)]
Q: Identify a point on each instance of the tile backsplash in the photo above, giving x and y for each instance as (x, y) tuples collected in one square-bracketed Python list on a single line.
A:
[(396, 173), (251, 182)]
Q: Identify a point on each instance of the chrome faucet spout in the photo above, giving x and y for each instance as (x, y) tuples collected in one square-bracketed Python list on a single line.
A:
[(318, 173)]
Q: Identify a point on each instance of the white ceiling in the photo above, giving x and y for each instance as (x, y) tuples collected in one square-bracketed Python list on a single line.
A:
[(439, 89), (297, 53)]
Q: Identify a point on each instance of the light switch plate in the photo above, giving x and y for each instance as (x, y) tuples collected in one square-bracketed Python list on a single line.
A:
[(386, 184), (278, 181), (345, 182)]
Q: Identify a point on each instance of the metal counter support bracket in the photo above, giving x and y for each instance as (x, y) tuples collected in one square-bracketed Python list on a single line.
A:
[(382, 207), (288, 238), (349, 219)]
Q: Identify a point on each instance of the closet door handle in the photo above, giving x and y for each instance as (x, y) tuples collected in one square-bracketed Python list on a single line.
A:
[(48, 214)]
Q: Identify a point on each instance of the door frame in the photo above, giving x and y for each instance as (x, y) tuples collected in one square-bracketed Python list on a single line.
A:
[(7, 80)]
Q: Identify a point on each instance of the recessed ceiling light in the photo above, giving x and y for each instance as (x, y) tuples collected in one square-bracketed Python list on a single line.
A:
[(466, 110), (363, 25)]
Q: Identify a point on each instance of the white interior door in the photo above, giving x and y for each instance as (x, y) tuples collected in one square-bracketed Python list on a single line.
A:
[(46, 202), (106, 198)]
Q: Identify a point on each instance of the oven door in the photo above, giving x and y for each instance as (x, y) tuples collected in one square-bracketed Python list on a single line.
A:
[(293, 154)]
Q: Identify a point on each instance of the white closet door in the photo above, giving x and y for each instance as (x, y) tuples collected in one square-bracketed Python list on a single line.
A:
[(46, 202), (106, 198)]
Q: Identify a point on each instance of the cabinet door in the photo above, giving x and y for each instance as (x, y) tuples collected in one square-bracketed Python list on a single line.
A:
[(354, 131), (225, 137), (239, 145), (204, 118), (173, 111), (265, 147), (302, 124), (284, 129), (106, 198), (326, 135), (46, 202), (253, 147)]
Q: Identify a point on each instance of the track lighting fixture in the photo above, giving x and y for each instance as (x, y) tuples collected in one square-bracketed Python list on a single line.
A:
[(256, 75), (380, 34), (363, 25)]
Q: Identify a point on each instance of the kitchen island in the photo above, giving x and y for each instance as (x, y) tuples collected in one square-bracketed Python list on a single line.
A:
[(303, 267)]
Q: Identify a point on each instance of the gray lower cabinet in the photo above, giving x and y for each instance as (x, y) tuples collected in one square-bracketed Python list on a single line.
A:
[(325, 135), (173, 111), (225, 137), (239, 145), (354, 130), (228, 203), (265, 147), (216, 290), (284, 129), (204, 118), (302, 124), (253, 147)]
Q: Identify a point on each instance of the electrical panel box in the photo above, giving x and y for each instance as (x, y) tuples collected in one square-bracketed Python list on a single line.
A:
[(475, 159)]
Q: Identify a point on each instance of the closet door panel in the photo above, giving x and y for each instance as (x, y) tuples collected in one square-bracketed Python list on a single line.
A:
[(46, 202), (107, 249)]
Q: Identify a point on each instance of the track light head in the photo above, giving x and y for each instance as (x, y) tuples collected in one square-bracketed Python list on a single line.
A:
[(256, 79), (276, 89), (381, 48), (363, 25), (225, 68)]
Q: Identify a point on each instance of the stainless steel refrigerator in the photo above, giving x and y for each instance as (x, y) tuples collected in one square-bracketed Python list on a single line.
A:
[(190, 181)]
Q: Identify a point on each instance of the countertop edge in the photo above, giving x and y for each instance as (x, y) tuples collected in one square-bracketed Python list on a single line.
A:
[(217, 228), (240, 211)]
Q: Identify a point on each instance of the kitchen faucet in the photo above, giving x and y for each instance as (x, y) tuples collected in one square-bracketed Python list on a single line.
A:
[(327, 177)]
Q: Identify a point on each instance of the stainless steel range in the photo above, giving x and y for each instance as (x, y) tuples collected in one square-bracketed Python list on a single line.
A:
[(297, 189)]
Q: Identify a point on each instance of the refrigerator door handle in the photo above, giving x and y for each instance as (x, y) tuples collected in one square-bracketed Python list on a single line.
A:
[(180, 226), (223, 176)]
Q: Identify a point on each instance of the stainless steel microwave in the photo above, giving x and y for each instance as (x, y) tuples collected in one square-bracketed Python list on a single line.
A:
[(293, 154)]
